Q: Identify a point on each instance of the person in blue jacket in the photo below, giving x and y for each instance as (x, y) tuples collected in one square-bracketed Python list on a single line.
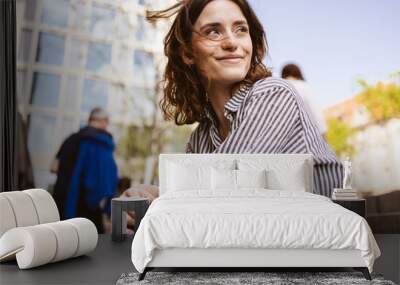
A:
[(87, 175)]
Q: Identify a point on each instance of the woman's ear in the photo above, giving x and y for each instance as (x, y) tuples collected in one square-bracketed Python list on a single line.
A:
[(186, 57)]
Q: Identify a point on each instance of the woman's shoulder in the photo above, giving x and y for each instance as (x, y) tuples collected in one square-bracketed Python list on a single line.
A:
[(271, 90), (270, 87), (199, 129)]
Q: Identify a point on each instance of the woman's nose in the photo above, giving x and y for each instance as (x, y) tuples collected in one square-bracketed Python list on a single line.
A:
[(229, 42)]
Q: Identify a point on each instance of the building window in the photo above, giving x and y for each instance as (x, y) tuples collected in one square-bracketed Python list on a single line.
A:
[(125, 27), (144, 69), (68, 127), (123, 60), (98, 57), (41, 135), (45, 90), (95, 94), (140, 29), (144, 101), (132, 103), (102, 21), (21, 87), (144, 31), (79, 12), (50, 49), (75, 55), (55, 12), (71, 94), (25, 45)]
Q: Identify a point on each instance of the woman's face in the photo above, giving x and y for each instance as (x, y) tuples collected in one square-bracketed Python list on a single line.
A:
[(221, 43)]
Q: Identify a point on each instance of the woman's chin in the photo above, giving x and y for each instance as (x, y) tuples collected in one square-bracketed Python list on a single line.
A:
[(232, 78)]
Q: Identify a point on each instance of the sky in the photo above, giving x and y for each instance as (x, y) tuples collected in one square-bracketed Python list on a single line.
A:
[(335, 42)]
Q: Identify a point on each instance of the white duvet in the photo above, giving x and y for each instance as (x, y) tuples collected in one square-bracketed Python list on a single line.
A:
[(250, 219)]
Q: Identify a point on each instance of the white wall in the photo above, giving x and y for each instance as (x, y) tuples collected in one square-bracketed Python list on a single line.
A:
[(376, 165)]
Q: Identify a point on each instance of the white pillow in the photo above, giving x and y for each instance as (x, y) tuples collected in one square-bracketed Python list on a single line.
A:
[(225, 179), (251, 178), (188, 177), (169, 179), (284, 174), (295, 181)]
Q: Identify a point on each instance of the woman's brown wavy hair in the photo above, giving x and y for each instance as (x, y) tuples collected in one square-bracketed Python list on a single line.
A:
[(184, 98)]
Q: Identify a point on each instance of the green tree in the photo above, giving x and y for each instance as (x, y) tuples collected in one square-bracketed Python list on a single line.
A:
[(382, 100), (138, 143), (339, 137)]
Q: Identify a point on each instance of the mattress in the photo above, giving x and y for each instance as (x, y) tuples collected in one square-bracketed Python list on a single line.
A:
[(250, 219)]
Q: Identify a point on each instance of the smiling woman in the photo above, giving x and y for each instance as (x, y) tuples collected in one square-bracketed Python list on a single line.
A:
[(199, 36), (215, 76)]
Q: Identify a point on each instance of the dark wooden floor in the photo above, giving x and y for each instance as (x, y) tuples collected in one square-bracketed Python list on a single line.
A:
[(106, 264), (389, 262)]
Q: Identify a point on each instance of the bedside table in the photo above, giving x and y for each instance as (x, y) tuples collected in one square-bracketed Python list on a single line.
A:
[(356, 205), (119, 207)]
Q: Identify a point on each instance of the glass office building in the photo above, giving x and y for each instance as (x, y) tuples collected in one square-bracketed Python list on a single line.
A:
[(74, 55)]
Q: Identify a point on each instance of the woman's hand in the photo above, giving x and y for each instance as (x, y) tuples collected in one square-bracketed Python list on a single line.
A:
[(143, 191)]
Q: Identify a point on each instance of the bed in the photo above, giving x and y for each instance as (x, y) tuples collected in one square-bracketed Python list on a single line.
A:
[(246, 211)]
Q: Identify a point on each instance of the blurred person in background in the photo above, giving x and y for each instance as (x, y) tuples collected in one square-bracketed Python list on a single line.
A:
[(293, 74), (87, 175)]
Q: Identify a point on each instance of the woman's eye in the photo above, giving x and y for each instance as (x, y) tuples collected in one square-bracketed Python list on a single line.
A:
[(212, 32), (242, 29)]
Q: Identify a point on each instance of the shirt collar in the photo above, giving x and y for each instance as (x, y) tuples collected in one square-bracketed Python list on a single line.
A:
[(232, 105)]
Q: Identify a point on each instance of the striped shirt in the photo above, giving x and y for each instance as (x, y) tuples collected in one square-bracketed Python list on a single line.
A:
[(270, 117)]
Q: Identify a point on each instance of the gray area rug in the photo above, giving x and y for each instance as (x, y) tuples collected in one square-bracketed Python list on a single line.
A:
[(228, 278)]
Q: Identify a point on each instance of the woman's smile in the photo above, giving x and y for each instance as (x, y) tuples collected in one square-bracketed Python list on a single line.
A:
[(230, 59)]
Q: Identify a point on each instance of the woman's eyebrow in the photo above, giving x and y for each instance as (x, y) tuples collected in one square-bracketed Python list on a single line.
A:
[(240, 22), (217, 24)]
